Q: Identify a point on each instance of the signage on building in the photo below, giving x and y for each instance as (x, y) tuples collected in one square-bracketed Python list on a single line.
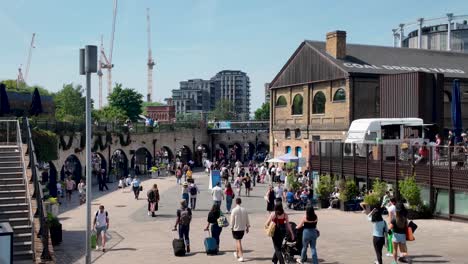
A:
[(402, 68)]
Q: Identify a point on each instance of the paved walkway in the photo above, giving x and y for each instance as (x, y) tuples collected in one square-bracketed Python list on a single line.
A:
[(137, 238)]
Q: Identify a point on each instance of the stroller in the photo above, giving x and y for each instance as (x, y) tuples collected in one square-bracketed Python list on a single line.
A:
[(292, 248)]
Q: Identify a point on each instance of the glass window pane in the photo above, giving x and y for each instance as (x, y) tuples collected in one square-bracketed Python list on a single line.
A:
[(461, 203), (281, 101), (297, 105), (442, 206), (318, 105), (340, 95)]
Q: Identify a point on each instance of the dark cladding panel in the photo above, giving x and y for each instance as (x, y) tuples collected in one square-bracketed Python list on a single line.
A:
[(399, 95)]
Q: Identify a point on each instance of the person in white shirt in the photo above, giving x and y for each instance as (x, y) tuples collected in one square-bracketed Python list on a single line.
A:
[(82, 191), (128, 181), (218, 195), (101, 225), (279, 191), (239, 225)]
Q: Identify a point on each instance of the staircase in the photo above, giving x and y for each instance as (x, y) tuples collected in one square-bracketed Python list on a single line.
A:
[(14, 203)]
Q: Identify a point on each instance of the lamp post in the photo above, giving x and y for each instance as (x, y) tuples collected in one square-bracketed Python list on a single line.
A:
[(88, 65)]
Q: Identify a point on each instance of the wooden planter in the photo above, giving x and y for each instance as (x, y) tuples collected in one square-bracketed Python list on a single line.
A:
[(324, 203), (56, 234)]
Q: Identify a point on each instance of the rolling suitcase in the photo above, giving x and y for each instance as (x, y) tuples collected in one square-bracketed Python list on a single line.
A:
[(178, 245), (211, 247)]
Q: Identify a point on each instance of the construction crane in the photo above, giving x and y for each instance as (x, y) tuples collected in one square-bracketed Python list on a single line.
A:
[(106, 62), (150, 62), (99, 72), (22, 78)]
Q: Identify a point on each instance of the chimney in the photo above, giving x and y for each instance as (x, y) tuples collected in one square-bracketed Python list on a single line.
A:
[(336, 44)]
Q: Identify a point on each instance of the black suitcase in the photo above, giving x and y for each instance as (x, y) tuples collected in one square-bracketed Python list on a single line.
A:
[(179, 247)]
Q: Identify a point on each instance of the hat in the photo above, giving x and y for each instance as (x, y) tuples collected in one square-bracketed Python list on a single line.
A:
[(185, 184), (404, 146), (463, 135)]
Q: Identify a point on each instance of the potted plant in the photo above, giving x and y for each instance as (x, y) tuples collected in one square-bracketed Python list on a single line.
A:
[(324, 189), (411, 192), (348, 193), (55, 228), (372, 200)]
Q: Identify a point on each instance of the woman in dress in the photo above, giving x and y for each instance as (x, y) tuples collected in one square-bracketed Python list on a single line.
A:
[(270, 198), (280, 218), (247, 184)]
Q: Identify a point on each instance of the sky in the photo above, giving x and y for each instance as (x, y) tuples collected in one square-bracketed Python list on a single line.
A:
[(190, 38)]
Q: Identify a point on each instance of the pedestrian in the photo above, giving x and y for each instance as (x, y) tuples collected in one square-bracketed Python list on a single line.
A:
[(379, 230), (185, 192), (185, 168), (309, 234), (229, 197), (178, 175), (136, 184), (70, 186), (104, 180), (213, 217), (238, 184), (121, 183), (189, 174), (279, 192), (59, 189), (247, 184), (280, 218), (153, 200), (399, 226), (217, 194), (270, 198), (184, 218), (82, 191), (239, 226), (193, 191), (391, 215), (101, 225), (128, 181)]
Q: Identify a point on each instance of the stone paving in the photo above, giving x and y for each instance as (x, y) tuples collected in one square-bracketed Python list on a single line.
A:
[(138, 238)]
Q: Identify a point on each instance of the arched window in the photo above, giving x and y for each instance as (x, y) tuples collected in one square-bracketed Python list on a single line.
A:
[(299, 152), (281, 101), (340, 95), (297, 133), (318, 105), (297, 105), (287, 150), (287, 133), (447, 97)]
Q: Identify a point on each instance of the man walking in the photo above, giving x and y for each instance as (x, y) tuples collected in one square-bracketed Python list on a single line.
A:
[(101, 225), (239, 225), (184, 218), (218, 195)]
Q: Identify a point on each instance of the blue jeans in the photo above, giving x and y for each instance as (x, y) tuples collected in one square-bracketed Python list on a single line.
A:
[(309, 237), (184, 233), (185, 196), (216, 232), (217, 203), (228, 202)]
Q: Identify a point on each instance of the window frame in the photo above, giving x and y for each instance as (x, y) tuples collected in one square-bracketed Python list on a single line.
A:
[(324, 103), (301, 105), (297, 133), (282, 105), (287, 133), (340, 100)]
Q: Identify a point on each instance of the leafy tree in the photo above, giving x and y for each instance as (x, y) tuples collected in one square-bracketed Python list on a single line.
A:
[(70, 103), (224, 110), (110, 114), (128, 100), (12, 86), (263, 113)]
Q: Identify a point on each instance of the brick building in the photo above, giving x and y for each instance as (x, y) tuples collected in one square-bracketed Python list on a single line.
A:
[(162, 113), (324, 86)]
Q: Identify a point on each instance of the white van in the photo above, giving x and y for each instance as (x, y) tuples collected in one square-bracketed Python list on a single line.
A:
[(386, 131)]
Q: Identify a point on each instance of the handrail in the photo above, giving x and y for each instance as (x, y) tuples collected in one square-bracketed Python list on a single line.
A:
[(43, 227), (28, 199)]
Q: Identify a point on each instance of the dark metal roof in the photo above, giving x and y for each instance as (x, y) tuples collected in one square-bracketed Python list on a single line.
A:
[(388, 60)]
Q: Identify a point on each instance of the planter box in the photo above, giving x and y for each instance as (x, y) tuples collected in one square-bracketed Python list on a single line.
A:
[(413, 214), (324, 203), (56, 234)]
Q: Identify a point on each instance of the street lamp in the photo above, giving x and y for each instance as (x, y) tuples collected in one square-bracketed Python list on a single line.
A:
[(88, 65)]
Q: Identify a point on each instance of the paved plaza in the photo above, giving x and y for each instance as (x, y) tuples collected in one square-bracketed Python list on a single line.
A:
[(137, 238)]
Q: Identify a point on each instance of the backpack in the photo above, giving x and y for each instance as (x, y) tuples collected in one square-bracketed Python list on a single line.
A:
[(151, 195), (193, 190), (185, 217), (178, 173)]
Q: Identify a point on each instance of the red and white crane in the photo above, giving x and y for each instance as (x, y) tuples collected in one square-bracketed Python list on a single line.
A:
[(150, 62), (22, 78), (105, 62)]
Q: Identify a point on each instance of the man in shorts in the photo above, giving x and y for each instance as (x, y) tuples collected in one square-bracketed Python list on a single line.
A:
[(239, 225), (101, 224)]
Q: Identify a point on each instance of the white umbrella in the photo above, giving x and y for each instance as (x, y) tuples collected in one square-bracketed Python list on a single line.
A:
[(288, 157), (276, 160)]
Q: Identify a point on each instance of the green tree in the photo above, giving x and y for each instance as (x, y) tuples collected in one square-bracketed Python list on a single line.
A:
[(70, 103), (224, 110), (128, 100), (263, 113), (12, 86), (110, 114)]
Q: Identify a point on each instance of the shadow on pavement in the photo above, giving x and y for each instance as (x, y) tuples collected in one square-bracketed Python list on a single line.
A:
[(415, 259)]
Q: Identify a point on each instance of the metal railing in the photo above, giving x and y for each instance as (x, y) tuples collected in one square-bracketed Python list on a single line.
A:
[(9, 133), (38, 195)]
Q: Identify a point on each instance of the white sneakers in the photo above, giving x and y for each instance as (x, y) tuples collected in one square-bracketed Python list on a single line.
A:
[(235, 255), (149, 213), (97, 247), (241, 259), (298, 260)]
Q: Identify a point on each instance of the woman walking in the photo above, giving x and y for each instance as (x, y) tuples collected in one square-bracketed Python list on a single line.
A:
[(213, 216), (136, 187), (185, 193), (309, 235), (379, 230), (247, 184), (270, 199), (238, 184), (280, 218), (153, 200), (399, 225), (229, 197)]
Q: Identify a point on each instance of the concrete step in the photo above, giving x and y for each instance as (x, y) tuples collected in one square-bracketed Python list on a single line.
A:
[(14, 206), (11, 187), (22, 229), (19, 246), (13, 214), (8, 148), (8, 181), (12, 200), (22, 237), (9, 193), (11, 168), (16, 221), (9, 153), (22, 255), (7, 163), (10, 158)]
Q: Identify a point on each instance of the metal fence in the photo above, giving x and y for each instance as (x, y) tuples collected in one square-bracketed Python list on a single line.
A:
[(439, 167), (8, 132)]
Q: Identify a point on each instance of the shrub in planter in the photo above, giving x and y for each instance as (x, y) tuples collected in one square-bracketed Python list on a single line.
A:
[(45, 144), (373, 200), (324, 189), (55, 228), (348, 190), (379, 188), (410, 191)]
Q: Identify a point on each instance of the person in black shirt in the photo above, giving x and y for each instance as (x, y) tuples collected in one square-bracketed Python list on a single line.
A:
[(212, 220), (309, 235)]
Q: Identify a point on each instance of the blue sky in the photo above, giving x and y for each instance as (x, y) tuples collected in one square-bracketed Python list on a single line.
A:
[(190, 38)]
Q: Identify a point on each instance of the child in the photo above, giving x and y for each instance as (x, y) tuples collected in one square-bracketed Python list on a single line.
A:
[(59, 189), (122, 183)]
